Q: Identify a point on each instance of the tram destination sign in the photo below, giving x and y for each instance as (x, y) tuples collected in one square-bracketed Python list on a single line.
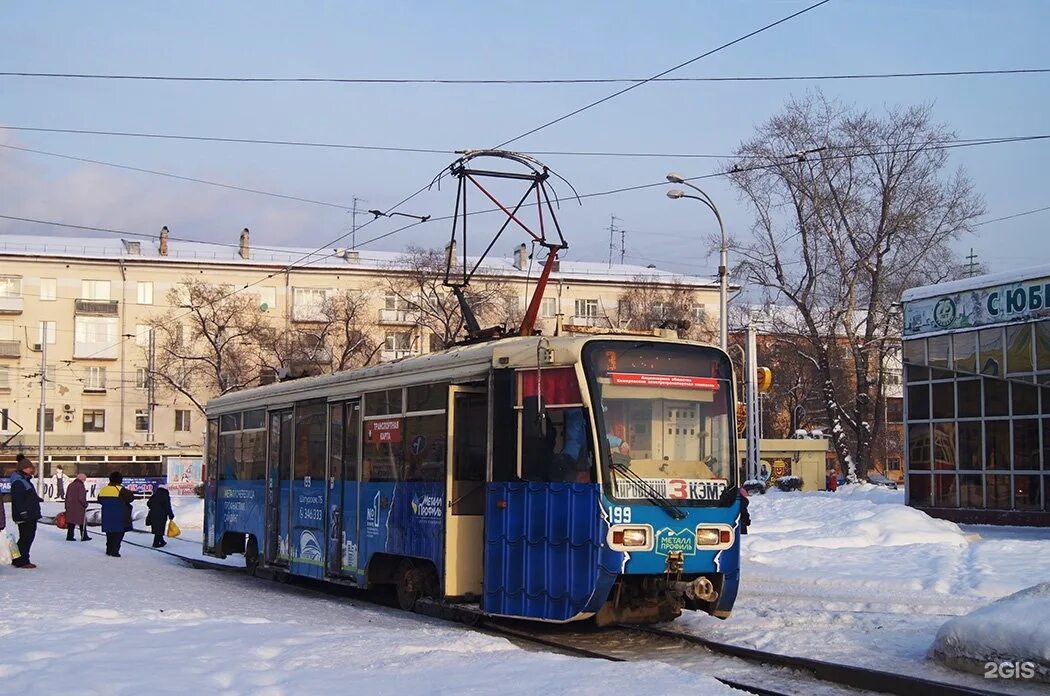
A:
[(976, 307), (637, 379), (671, 489)]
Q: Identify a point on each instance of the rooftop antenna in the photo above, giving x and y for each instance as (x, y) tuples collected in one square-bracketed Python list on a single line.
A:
[(537, 195)]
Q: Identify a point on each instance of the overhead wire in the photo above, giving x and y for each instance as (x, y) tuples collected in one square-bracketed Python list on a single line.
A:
[(681, 65), (523, 81)]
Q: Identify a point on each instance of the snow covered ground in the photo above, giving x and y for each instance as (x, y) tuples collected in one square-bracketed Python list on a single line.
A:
[(853, 576), (83, 624), (857, 577)]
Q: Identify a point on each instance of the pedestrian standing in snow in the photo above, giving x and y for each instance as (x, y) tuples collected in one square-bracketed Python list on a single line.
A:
[(60, 483), (76, 508), (832, 481), (127, 496), (25, 508), (115, 513), (159, 513)]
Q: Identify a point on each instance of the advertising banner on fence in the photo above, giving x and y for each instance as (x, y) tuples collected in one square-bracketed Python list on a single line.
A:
[(184, 474)]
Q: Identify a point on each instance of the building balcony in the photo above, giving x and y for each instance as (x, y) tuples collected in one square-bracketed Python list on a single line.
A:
[(400, 317), (10, 349), (10, 305), (589, 320), (108, 350), (96, 308), (390, 355)]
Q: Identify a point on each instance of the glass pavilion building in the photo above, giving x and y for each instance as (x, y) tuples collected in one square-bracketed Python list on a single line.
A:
[(977, 398)]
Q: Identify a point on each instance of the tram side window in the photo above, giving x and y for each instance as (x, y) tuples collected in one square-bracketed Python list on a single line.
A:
[(310, 436), (382, 452), (555, 440), (504, 426), (424, 448)]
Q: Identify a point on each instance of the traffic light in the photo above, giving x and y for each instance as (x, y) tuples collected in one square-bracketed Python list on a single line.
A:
[(764, 379)]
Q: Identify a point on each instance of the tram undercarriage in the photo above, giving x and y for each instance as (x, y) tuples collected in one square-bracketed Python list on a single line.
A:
[(642, 599)]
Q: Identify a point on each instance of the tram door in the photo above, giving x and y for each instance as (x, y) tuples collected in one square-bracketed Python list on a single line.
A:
[(465, 516), (343, 427), (278, 475)]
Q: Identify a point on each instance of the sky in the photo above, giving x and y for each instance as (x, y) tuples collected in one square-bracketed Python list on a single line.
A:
[(494, 40)]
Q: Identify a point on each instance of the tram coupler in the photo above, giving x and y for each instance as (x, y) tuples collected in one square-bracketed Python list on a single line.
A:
[(700, 589)]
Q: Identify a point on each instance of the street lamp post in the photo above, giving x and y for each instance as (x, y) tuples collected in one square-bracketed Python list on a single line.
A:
[(723, 260)]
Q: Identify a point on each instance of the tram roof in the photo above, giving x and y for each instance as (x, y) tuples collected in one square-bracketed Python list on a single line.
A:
[(460, 363)]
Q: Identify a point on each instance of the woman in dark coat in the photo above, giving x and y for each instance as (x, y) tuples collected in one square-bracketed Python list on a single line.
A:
[(76, 508), (159, 513)]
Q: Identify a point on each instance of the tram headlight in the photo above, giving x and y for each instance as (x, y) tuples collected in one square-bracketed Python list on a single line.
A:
[(714, 536), (631, 537)]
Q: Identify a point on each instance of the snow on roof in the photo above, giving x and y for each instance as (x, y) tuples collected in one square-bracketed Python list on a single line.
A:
[(977, 282), (268, 255)]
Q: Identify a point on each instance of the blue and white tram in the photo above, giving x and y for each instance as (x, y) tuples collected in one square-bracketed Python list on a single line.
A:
[(555, 479)]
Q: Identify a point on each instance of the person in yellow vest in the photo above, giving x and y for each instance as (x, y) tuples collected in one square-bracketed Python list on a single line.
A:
[(116, 513)]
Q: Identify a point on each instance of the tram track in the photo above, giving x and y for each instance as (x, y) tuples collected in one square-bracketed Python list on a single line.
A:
[(746, 669)]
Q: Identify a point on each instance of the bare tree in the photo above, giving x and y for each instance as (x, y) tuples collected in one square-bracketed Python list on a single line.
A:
[(850, 209), (649, 303), (206, 345), (339, 337), (421, 292)]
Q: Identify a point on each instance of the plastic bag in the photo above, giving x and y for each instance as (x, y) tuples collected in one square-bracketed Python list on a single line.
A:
[(173, 529), (60, 520), (8, 548)]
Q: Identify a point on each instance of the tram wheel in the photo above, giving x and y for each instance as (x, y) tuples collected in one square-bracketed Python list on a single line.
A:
[(409, 585), (251, 558)]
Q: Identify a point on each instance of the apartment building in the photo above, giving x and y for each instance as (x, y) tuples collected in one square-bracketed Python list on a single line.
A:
[(89, 301)]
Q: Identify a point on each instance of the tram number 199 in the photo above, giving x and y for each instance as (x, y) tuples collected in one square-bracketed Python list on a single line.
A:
[(620, 515)]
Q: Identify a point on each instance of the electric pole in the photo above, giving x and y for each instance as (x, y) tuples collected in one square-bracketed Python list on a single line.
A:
[(613, 229), (43, 410), (971, 267), (151, 384), (353, 222)]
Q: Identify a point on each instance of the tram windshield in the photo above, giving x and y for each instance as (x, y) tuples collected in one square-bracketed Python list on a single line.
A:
[(663, 411)]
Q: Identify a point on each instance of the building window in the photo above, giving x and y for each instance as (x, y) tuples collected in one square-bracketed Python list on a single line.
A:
[(10, 286), (549, 307), (308, 304), (94, 289), (699, 314), (94, 421), (182, 420), (95, 337), (141, 420), (95, 379), (394, 302), (397, 345), (586, 312), (267, 299), (141, 378), (5, 377), (145, 292), (49, 329), (7, 330), (894, 410), (48, 289), (49, 420)]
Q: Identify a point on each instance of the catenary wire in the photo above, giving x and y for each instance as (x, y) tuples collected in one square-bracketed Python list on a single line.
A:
[(525, 81), (636, 85)]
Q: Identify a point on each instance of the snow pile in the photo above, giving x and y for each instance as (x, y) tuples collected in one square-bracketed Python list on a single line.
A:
[(862, 517), (1011, 633)]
